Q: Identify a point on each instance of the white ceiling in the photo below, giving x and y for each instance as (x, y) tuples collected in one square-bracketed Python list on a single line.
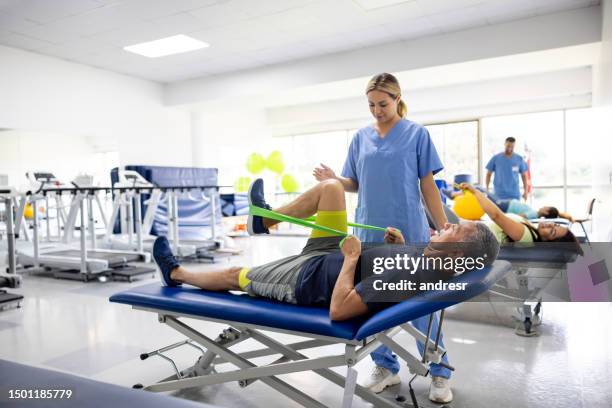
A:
[(243, 33)]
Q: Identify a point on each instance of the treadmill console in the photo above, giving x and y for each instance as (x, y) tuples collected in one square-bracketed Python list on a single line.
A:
[(132, 178)]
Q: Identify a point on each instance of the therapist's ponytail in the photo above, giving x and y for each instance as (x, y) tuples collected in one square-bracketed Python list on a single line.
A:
[(402, 109), (388, 84)]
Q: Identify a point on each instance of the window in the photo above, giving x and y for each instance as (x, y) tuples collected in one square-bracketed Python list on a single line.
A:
[(563, 154), (555, 144), (581, 137), (457, 146), (311, 150), (539, 139), (578, 199), (546, 196)]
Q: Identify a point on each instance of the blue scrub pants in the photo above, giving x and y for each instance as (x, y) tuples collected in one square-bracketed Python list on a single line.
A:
[(384, 357)]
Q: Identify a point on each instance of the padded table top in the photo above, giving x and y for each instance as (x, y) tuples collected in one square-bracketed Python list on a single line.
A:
[(243, 308), (541, 252)]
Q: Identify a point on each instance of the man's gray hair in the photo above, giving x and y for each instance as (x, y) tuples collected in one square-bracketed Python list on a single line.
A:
[(482, 243)]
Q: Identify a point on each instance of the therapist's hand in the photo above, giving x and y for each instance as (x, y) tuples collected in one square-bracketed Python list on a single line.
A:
[(525, 195), (323, 173)]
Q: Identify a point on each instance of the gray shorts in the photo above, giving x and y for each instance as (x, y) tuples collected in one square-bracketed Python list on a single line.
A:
[(277, 279)]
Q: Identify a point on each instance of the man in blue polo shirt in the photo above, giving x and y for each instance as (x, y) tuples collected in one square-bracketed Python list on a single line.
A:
[(507, 166)]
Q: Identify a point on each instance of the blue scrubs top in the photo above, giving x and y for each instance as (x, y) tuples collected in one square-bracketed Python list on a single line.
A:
[(387, 172), (506, 179)]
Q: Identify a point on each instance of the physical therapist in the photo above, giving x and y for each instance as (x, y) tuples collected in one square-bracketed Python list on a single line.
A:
[(389, 164), (507, 166)]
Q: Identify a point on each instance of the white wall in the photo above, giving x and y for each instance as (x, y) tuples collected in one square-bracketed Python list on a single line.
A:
[(603, 74), (602, 99), (24, 151), (224, 139), (548, 91), (122, 113)]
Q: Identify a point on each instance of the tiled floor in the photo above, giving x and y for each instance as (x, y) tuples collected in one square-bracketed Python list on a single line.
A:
[(71, 326)]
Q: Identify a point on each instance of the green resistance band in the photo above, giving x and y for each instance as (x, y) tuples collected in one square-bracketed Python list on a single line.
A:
[(357, 225), (262, 212)]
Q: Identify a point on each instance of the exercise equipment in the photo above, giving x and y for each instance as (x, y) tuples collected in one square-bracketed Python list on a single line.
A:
[(182, 203), (467, 207), (45, 179), (234, 204), (133, 193), (9, 300), (308, 222), (275, 162), (28, 212), (255, 163), (242, 184), (10, 279), (462, 178), (247, 316), (289, 184), (87, 262), (544, 263)]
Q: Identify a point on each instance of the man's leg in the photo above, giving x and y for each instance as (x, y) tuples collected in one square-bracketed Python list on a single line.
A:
[(326, 199), (326, 196), (173, 274), (222, 279)]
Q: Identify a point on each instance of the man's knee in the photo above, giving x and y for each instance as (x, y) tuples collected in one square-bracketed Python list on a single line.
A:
[(332, 186)]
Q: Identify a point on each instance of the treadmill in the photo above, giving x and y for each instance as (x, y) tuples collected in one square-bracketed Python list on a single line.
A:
[(10, 279), (206, 250), (82, 263), (127, 208)]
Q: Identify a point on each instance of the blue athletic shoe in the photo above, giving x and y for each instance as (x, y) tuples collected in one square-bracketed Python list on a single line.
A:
[(256, 198), (162, 253)]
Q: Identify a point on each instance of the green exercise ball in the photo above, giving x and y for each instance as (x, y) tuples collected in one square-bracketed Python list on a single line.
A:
[(242, 184), (289, 184), (275, 162), (255, 163)]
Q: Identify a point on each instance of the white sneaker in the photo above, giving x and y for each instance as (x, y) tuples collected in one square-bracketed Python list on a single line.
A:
[(381, 378), (439, 390)]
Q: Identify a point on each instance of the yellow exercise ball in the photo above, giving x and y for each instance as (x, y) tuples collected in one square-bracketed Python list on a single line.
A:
[(289, 184), (275, 162), (28, 212), (466, 206), (242, 184), (255, 163)]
